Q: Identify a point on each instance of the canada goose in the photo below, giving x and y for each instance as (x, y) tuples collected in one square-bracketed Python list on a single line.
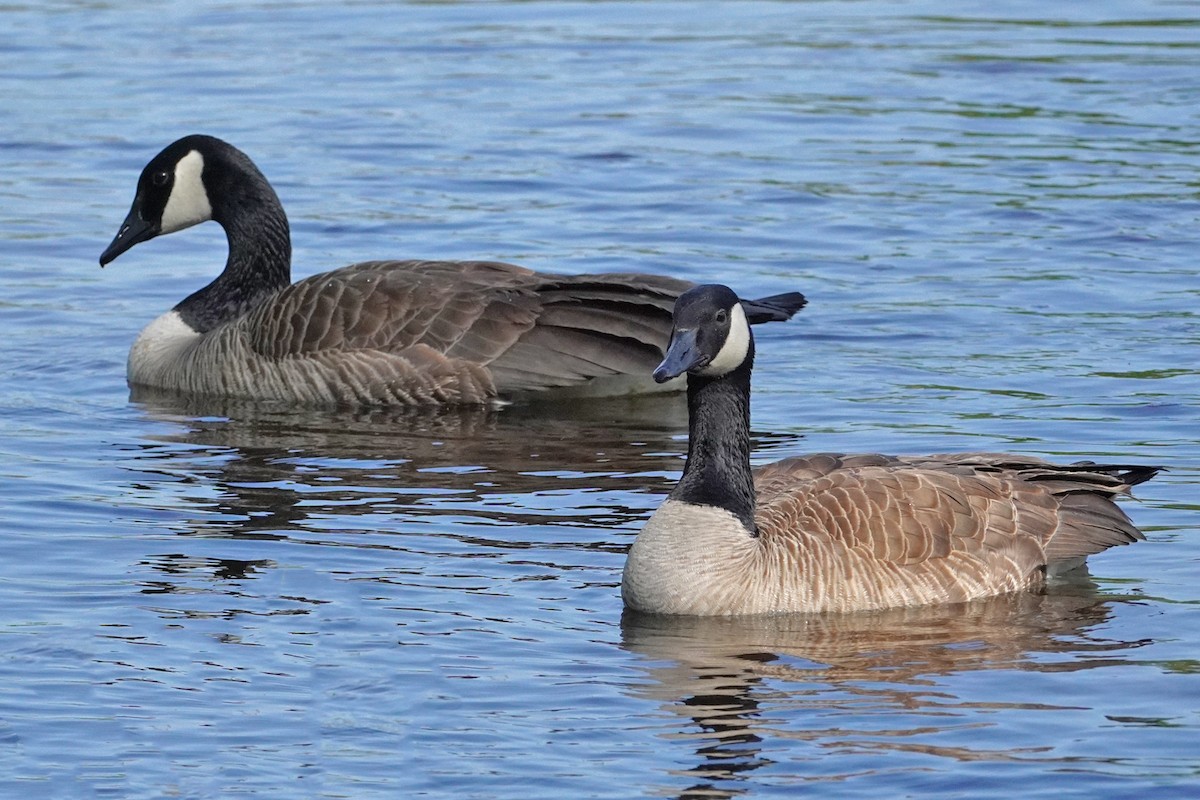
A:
[(379, 332), (835, 532)]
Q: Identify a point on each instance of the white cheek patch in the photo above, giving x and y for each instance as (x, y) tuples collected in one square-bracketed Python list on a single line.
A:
[(736, 347), (188, 204)]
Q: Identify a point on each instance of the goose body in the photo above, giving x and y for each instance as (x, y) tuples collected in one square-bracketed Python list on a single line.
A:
[(836, 533), (379, 332)]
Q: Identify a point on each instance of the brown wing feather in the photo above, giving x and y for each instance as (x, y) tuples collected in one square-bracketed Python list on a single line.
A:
[(907, 511), (591, 326), (472, 310)]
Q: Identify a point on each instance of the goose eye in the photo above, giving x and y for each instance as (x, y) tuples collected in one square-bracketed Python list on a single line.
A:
[(160, 178), (722, 315)]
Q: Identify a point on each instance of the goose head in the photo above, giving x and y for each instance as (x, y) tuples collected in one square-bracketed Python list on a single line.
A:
[(200, 178), (171, 194), (711, 335)]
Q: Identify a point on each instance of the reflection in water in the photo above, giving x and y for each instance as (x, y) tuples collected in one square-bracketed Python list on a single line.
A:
[(357, 478), (278, 469), (222, 569), (733, 680)]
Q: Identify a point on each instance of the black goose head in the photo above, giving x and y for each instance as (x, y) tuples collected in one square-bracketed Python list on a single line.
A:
[(711, 336), (172, 193)]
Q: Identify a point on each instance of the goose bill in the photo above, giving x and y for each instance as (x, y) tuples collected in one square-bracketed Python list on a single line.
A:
[(133, 230), (683, 355)]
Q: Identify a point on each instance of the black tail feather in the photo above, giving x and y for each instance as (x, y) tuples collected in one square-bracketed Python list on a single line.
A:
[(776, 308), (1129, 474)]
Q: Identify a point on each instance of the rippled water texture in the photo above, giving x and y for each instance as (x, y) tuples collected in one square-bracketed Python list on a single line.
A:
[(994, 214)]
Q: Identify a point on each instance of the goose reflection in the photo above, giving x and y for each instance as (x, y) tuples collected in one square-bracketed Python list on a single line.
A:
[(730, 682), (277, 469), (479, 475)]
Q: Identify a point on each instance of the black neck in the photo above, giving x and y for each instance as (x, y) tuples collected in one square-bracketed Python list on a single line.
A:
[(260, 252), (717, 472)]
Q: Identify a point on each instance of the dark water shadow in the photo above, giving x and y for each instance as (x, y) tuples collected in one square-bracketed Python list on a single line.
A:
[(729, 682)]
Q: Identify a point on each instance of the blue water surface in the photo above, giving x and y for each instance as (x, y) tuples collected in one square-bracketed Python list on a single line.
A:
[(992, 208)]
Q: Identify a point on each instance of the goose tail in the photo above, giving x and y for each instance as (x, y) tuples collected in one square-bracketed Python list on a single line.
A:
[(775, 308)]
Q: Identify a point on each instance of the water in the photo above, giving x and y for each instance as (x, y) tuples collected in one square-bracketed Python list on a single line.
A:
[(993, 212)]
